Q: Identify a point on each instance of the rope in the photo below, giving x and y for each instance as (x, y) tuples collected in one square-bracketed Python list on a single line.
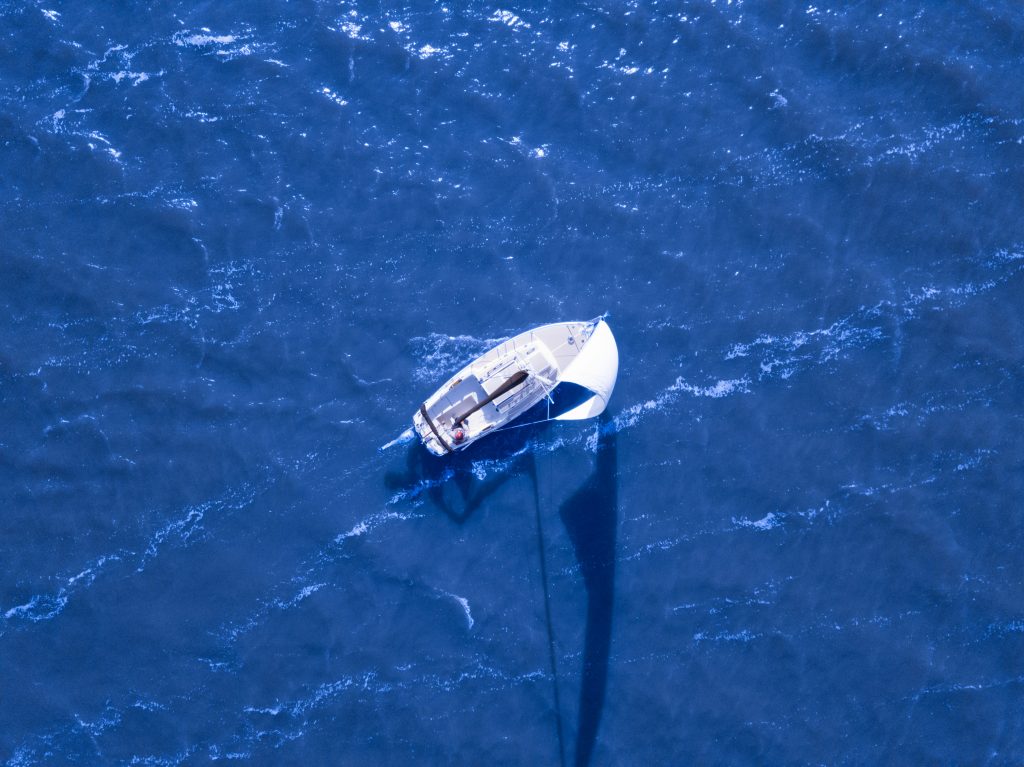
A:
[(523, 425)]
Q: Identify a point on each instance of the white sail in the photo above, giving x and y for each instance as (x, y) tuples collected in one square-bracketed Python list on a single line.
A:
[(595, 368)]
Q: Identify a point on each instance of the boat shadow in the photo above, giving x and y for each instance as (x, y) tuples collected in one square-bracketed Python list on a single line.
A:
[(452, 483), (590, 517)]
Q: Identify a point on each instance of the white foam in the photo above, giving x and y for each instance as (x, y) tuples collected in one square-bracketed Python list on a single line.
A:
[(961, 686), (40, 607), (403, 438), (974, 461), (149, 705), (303, 594), (136, 78), (188, 527), (464, 603), (333, 96), (233, 632), (245, 50), (726, 636), (351, 29), (767, 522), (227, 47), (778, 100), (372, 523), (780, 353), (721, 388), (109, 718), (774, 519), (439, 354), (183, 39), (23, 756), (216, 754), (43, 607), (482, 468), (371, 682), (1009, 255), (359, 529), (268, 710), (509, 19)]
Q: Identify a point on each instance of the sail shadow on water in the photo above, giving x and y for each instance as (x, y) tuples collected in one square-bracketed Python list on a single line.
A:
[(590, 517)]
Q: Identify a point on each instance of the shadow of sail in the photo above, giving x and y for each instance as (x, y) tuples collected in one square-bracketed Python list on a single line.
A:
[(590, 517)]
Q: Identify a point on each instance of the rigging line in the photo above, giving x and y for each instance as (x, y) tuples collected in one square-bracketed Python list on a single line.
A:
[(523, 425), (547, 614), (547, 391), (541, 380), (565, 343)]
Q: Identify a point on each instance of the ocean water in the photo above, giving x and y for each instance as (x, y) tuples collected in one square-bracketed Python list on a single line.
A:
[(241, 242)]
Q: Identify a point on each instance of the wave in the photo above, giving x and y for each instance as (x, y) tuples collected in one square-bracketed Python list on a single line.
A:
[(43, 607), (438, 355), (181, 531)]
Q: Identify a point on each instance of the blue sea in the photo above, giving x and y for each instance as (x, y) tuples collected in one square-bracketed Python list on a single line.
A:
[(240, 243)]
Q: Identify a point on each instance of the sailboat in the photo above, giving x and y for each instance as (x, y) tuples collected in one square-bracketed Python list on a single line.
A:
[(495, 389)]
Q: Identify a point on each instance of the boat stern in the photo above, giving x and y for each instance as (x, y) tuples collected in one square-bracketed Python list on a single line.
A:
[(430, 434)]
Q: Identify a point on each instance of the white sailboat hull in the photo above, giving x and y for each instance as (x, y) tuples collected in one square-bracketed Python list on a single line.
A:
[(499, 386)]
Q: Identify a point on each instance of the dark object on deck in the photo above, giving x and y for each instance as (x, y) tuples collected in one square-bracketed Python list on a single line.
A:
[(506, 387)]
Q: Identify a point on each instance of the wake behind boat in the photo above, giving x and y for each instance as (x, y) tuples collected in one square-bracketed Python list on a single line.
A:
[(501, 385)]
